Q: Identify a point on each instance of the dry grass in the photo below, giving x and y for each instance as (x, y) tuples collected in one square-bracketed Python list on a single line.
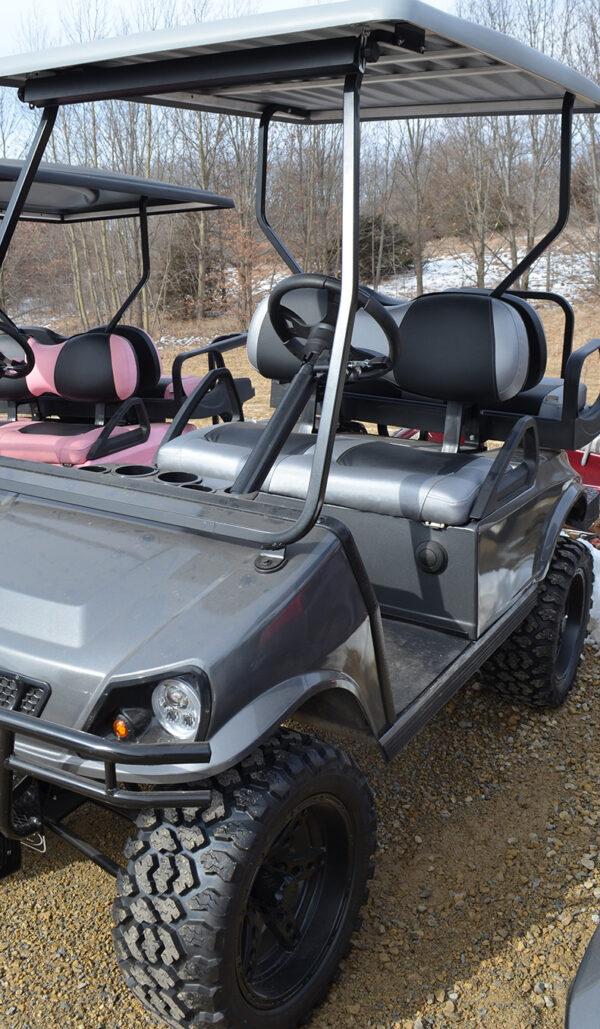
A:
[(587, 326)]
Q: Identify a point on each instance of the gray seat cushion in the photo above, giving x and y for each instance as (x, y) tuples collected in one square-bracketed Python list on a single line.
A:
[(219, 452), (545, 399), (406, 478)]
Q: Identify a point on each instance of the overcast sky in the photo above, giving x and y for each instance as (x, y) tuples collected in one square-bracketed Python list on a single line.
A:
[(19, 17)]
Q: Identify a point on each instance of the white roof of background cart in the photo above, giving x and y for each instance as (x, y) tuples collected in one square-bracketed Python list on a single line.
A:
[(429, 64)]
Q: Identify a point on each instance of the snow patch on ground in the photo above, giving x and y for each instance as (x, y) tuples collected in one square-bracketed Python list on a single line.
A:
[(568, 275), (183, 342), (594, 626)]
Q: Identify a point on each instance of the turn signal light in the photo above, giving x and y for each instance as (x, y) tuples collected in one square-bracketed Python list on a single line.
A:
[(120, 727)]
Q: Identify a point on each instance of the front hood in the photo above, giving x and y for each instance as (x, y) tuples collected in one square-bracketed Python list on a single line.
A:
[(87, 598)]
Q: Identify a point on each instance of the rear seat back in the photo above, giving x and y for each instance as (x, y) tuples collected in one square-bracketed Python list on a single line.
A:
[(95, 366), (462, 347), (271, 358), (91, 366)]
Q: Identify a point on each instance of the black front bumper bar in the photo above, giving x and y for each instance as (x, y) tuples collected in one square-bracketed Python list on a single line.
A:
[(85, 745)]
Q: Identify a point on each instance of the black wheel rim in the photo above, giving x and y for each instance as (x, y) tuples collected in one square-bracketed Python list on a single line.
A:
[(572, 627), (296, 902)]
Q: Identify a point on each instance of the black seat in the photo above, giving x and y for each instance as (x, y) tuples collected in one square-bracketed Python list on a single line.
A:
[(559, 406)]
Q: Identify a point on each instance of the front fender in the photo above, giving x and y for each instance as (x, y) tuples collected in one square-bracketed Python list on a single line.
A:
[(245, 730)]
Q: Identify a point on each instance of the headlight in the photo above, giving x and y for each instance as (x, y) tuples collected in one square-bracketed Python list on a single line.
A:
[(177, 707)]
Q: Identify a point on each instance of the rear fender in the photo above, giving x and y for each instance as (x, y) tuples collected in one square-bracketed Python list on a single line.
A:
[(568, 503)]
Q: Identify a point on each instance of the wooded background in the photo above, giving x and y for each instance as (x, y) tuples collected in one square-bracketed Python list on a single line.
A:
[(487, 186)]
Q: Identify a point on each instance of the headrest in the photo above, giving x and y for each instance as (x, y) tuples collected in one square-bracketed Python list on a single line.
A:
[(468, 347), (148, 358), (538, 351), (96, 366), (270, 356)]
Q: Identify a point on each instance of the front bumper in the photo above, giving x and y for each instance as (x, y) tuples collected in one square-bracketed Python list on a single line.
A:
[(73, 743)]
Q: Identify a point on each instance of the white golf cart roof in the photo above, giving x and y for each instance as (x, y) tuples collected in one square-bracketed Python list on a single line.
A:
[(420, 62), (62, 193)]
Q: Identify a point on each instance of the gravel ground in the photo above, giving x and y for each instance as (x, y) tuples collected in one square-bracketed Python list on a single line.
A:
[(486, 892)]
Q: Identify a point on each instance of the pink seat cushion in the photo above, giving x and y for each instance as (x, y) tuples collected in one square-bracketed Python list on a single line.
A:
[(189, 383), (56, 448), (49, 447)]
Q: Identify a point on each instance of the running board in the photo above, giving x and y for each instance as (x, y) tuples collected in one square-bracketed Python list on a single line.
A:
[(416, 716)]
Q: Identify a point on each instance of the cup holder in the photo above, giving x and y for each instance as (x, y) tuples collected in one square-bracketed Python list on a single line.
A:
[(100, 469), (178, 478), (135, 471)]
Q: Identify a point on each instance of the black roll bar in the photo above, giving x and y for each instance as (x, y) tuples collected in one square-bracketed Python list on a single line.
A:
[(145, 266), (261, 192), (564, 199), (26, 176)]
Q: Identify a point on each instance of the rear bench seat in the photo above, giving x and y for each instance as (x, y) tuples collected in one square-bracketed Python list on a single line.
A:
[(453, 348)]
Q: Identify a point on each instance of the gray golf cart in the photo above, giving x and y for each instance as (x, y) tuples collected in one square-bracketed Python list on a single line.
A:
[(160, 624)]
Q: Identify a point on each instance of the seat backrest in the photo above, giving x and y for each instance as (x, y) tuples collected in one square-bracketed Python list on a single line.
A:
[(466, 347), (538, 350), (271, 358), (95, 366), (148, 357)]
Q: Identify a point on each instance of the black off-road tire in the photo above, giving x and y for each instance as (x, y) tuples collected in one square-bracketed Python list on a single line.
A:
[(538, 663), (239, 916), (10, 856)]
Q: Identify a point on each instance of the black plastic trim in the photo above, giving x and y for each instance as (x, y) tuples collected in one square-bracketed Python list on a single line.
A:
[(208, 73), (564, 200)]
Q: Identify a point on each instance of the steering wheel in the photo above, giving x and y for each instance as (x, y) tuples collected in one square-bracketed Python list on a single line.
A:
[(10, 367), (302, 339)]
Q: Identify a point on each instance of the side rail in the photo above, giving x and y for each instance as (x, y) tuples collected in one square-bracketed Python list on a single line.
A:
[(204, 400), (497, 487), (591, 417), (85, 745), (214, 351), (108, 444), (560, 301)]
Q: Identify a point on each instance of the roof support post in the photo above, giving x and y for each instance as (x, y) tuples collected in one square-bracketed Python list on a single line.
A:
[(340, 350), (261, 192), (564, 199), (26, 177), (145, 266)]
